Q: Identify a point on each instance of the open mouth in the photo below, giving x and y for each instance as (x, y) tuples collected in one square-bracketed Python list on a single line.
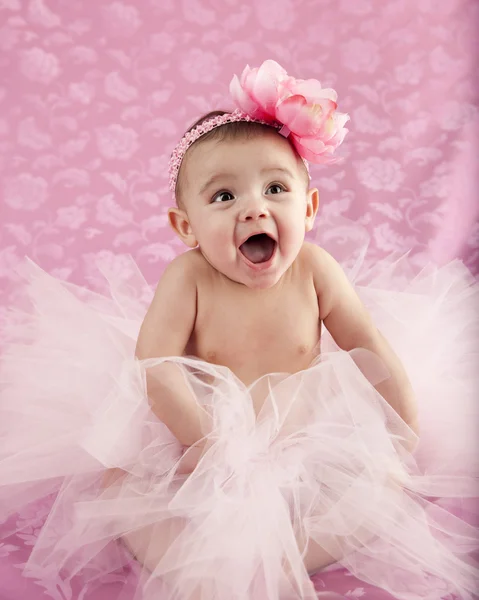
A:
[(258, 248)]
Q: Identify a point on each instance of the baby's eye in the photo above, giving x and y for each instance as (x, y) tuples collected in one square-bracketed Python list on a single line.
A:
[(275, 188), (222, 197)]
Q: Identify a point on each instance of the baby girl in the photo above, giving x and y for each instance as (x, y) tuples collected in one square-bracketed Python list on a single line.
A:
[(256, 426)]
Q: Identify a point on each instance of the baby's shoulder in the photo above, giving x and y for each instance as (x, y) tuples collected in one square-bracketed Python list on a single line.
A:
[(191, 263), (180, 277), (316, 261), (312, 256)]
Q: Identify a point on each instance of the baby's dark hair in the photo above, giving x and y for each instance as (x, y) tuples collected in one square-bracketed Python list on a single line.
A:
[(228, 131)]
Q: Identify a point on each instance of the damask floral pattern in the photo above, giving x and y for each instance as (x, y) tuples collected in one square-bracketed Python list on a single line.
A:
[(94, 96)]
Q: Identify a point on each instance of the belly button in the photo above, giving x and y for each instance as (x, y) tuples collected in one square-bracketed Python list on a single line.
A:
[(303, 349), (211, 357)]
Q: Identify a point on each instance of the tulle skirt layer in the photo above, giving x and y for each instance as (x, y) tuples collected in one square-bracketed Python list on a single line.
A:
[(297, 471)]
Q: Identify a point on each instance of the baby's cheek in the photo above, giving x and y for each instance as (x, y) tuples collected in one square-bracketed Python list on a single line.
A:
[(292, 233), (216, 240), (221, 235), (206, 232)]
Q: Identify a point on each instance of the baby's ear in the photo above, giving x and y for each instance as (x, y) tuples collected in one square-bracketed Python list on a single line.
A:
[(312, 205), (180, 223)]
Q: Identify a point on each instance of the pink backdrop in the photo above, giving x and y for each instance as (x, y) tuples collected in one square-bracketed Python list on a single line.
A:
[(94, 94)]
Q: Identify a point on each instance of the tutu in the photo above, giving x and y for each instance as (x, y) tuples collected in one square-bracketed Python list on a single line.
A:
[(293, 464)]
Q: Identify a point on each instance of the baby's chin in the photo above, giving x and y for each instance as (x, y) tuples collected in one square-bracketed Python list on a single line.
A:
[(253, 278), (258, 281), (261, 285)]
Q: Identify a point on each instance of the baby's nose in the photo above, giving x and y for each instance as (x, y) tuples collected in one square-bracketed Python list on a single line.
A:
[(253, 211)]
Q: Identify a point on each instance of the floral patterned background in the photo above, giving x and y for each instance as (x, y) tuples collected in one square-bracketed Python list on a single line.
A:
[(95, 94)]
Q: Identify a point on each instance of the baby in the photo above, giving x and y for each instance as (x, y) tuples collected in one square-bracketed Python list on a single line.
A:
[(251, 294), (231, 455)]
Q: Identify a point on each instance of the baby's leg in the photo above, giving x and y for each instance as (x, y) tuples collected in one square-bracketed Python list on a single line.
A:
[(316, 558), (148, 545)]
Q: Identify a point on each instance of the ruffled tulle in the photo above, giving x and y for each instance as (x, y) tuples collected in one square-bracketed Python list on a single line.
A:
[(291, 463)]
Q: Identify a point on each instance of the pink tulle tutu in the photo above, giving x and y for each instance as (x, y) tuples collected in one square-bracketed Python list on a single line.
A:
[(320, 458)]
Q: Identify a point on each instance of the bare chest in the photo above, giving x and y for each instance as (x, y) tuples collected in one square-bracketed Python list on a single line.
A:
[(255, 334)]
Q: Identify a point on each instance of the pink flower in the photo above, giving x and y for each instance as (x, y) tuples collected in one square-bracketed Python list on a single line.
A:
[(369, 122), (200, 66), (410, 73), (360, 55), (359, 7), (81, 92), (25, 192), (278, 15), (109, 211), (8, 261), (40, 14), (9, 38), (39, 66), (162, 42), (116, 87), (305, 109), (31, 135), (71, 217), (117, 142), (379, 174), (121, 20)]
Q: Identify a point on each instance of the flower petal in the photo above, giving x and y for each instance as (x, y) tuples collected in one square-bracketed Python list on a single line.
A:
[(302, 117), (338, 137), (256, 91), (244, 75), (331, 127), (244, 101), (311, 89), (315, 151), (264, 87)]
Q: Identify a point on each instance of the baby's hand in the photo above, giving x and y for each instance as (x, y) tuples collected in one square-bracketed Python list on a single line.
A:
[(190, 458)]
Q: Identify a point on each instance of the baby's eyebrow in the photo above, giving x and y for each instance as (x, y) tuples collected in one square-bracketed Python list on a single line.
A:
[(280, 169), (224, 175), (213, 179)]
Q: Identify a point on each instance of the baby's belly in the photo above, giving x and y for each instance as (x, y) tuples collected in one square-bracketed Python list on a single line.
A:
[(250, 365), (248, 373)]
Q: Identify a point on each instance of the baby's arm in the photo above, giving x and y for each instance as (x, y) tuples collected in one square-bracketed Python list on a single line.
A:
[(351, 326), (165, 332)]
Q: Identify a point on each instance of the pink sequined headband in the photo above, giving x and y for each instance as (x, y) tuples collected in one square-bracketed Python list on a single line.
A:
[(191, 136), (301, 110)]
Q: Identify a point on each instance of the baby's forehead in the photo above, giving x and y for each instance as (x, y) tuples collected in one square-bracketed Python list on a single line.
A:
[(269, 150), (237, 156)]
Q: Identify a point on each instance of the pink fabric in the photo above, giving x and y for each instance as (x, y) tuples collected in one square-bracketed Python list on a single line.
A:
[(94, 96), (14, 586)]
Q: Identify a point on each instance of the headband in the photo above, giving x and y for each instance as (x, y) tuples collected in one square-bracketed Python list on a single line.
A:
[(301, 110)]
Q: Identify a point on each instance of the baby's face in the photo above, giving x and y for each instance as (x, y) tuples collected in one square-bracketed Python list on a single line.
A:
[(248, 206)]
